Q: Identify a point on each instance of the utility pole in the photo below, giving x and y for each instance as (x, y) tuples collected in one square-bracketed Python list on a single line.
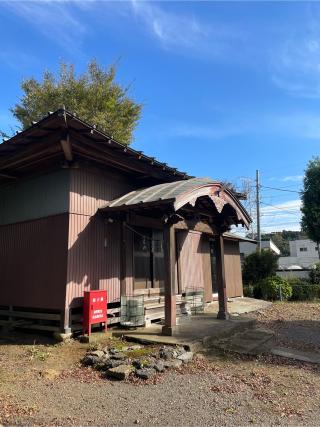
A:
[(258, 209)]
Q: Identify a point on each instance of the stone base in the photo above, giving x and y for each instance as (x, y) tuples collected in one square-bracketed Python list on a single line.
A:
[(169, 331), (183, 319), (59, 336), (223, 315)]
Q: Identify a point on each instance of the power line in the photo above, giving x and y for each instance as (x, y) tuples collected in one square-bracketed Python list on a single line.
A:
[(281, 189), (282, 209)]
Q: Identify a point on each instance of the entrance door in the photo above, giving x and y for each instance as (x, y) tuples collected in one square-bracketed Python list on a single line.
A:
[(148, 259), (142, 259), (213, 258)]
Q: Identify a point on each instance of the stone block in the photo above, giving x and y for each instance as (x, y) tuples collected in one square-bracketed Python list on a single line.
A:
[(120, 372)]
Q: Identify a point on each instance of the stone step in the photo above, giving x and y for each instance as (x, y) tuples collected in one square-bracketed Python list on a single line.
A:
[(292, 353), (252, 341)]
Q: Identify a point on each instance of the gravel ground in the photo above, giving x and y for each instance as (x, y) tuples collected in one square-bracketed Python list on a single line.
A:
[(296, 325), (43, 384)]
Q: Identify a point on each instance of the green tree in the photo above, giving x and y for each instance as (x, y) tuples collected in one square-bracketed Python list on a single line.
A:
[(94, 95), (311, 201), (258, 266)]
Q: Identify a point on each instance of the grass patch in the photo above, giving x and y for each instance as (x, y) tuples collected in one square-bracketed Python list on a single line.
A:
[(36, 353), (140, 352)]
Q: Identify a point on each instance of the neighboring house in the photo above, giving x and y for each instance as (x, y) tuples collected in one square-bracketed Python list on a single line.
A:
[(303, 255), (80, 211), (249, 246)]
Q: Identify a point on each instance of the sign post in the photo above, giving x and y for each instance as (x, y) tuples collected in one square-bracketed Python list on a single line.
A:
[(94, 310)]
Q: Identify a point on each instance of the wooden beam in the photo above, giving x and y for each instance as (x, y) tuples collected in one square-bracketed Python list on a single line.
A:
[(144, 221), (4, 175), (221, 276), (123, 272), (200, 226), (170, 309), (116, 156), (67, 147)]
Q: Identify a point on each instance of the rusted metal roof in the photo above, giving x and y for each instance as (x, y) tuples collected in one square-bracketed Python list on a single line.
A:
[(179, 194), (160, 192)]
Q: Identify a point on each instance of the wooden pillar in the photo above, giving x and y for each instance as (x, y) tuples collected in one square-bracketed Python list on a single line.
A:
[(123, 272), (170, 309), (221, 275)]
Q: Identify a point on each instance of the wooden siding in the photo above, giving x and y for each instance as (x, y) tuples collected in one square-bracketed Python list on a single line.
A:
[(206, 265), (89, 190), (35, 198), (233, 269), (33, 263), (93, 258), (94, 244), (189, 260)]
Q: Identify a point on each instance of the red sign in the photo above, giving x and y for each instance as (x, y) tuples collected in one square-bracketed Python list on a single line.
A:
[(94, 309)]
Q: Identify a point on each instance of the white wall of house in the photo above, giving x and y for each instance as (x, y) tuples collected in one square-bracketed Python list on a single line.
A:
[(303, 253), (247, 248)]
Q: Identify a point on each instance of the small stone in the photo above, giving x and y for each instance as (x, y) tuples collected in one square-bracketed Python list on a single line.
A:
[(97, 353), (167, 353), (113, 363), (120, 372), (146, 373), (89, 360), (159, 366), (186, 357), (174, 364), (105, 357), (118, 356), (180, 350), (142, 363)]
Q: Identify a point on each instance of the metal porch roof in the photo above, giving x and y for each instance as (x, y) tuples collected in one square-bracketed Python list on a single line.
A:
[(158, 193)]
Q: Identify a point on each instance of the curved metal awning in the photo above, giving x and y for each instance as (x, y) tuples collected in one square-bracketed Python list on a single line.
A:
[(179, 194)]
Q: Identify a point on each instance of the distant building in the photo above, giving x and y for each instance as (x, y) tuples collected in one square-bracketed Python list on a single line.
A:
[(250, 246), (303, 255)]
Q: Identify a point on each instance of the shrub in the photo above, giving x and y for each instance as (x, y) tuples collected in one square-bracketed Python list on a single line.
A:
[(314, 275), (303, 290), (248, 291), (274, 288), (258, 266)]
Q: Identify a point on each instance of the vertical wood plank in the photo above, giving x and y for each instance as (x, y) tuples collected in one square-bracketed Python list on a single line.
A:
[(169, 285), (222, 291)]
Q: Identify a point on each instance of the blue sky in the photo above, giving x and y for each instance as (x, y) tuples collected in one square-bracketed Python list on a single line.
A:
[(227, 87)]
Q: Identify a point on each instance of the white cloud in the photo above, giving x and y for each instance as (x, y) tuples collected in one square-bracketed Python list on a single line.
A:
[(293, 178), (296, 61), (184, 33), (56, 20)]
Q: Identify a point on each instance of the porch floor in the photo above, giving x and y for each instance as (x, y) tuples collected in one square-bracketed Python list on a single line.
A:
[(201, 330), (196, 333)]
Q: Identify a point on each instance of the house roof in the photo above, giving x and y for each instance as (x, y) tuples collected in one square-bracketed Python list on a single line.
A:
[(32, 145), (179, 194), (234, 236)]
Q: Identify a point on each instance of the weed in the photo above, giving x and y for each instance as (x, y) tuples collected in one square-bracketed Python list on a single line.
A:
[(134, 354), (35, 353)]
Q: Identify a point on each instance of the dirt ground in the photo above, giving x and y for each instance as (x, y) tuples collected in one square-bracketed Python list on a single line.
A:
[(42, 383), (295, 325)]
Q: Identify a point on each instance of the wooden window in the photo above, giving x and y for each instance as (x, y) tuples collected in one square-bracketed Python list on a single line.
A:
[(148, 258)]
